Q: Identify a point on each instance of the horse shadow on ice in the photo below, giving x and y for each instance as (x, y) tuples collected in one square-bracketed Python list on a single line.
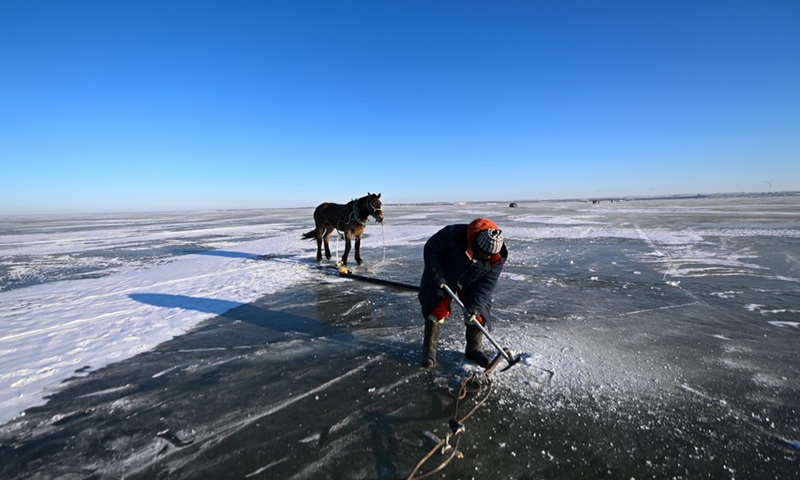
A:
[(206, 305), (316, 382), (228, 254)]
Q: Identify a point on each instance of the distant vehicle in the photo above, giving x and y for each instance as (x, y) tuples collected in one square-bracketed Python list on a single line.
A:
[(512, 204)]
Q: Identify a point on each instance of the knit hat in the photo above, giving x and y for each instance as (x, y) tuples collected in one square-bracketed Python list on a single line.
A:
[(490, 240)]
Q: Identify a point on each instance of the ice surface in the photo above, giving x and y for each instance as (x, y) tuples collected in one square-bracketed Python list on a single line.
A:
[(659, 339)]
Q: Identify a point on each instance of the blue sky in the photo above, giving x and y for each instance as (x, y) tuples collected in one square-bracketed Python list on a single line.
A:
[(171, 105)]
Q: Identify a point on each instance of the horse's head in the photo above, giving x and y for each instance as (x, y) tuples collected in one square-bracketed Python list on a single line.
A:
[(374, 206)]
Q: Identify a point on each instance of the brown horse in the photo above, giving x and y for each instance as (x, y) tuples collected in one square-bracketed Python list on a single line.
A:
[(350, 218)]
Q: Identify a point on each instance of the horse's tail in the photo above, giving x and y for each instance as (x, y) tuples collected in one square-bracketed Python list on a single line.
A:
[(310, 235)]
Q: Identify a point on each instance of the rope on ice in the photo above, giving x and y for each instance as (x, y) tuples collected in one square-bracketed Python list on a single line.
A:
[(472, 384)]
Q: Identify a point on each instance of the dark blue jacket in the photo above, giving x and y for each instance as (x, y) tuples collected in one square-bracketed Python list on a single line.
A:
[(446, 257)]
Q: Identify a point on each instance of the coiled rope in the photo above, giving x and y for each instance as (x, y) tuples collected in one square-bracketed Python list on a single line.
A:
[(472, 384), (384, 243)]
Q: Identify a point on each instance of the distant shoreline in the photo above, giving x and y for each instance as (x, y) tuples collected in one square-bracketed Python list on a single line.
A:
[(627, 198)]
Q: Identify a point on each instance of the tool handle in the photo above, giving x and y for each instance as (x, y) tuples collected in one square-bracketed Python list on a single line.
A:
[(455, 297)]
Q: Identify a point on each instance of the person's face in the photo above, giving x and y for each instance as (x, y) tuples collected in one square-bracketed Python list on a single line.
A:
[(481, 254)]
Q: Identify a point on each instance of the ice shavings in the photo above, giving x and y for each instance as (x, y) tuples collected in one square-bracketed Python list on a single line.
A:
[(568, 365)]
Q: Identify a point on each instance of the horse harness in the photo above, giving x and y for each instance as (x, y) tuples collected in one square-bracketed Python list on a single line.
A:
[(355, 217)]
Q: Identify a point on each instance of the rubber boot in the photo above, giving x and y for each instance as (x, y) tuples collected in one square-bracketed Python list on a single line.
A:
[(432, 330), (473, 351)]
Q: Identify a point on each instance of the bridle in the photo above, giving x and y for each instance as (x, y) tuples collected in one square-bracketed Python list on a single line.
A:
[(371, 209)]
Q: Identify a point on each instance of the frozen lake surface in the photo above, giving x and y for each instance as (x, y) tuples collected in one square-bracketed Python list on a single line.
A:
[(660, 339)]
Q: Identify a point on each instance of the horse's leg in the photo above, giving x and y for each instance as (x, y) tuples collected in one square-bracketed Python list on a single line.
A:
[(347, 238), (328, 232), (358, 250), (320, 232)]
